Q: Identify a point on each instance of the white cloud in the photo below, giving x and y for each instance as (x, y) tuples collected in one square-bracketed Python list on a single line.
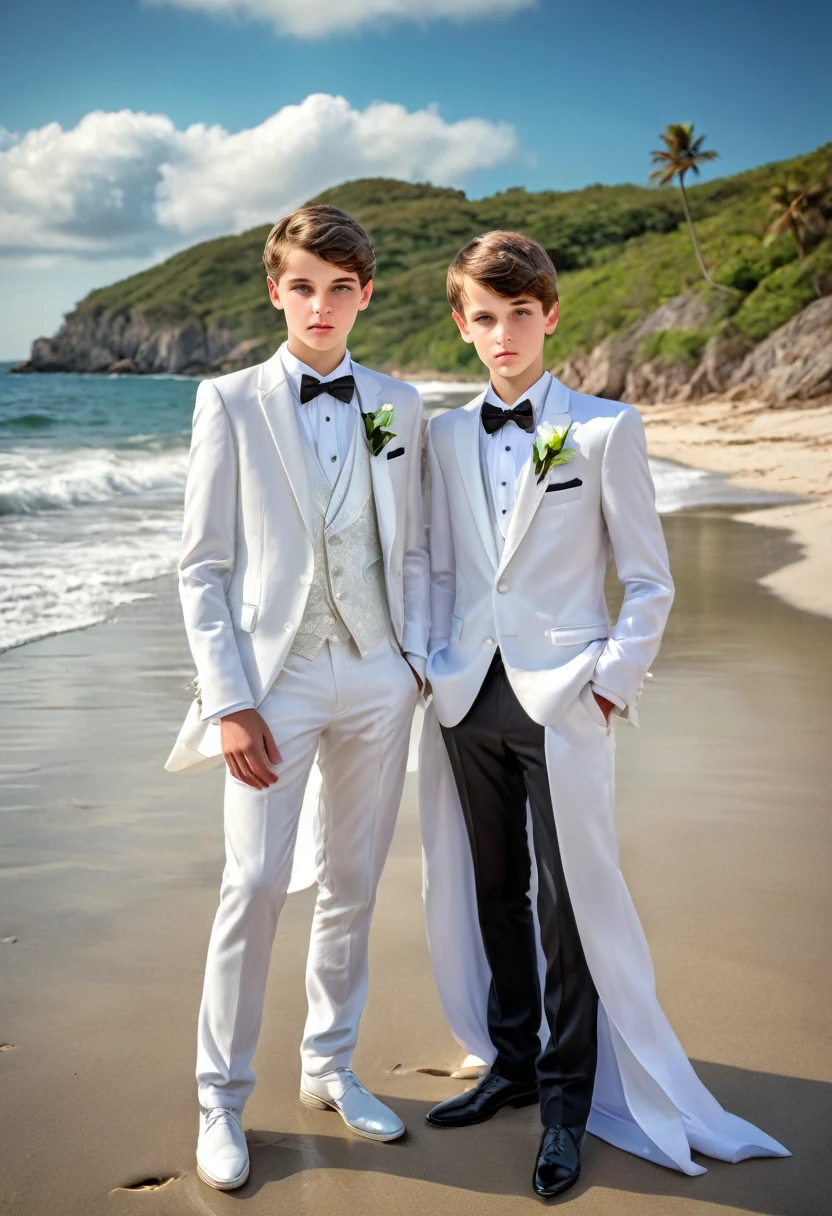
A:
[(317, 18), (131, 184)]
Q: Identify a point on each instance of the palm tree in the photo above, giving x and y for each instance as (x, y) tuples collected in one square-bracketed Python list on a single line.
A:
[(799, 206), (683, 154)]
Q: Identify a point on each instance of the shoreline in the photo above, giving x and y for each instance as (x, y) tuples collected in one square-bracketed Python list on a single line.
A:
[(785, 450), (111, 871)]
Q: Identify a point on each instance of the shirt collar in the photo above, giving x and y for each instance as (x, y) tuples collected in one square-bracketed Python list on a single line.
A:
[(537, 394), (294, 369)]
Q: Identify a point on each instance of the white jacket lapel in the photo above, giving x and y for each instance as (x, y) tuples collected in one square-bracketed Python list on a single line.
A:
[(369, 402), (467, 444), (529, 491), (278, 406)]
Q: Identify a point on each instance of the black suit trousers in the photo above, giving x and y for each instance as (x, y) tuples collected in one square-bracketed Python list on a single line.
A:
[(498, 759)]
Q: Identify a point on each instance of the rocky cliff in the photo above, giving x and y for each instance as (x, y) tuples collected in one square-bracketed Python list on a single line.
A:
[(102, 342), (681, 352)]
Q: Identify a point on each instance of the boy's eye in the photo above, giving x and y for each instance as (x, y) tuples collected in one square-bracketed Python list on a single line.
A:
[(343, 287), (301, 287), (483, 317), (522, 312)]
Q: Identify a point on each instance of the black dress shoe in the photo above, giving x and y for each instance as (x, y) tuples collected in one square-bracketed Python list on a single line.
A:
[(558, 1164), (477, 1105)]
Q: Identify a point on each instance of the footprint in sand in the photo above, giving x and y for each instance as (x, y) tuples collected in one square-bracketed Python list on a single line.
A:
[(471, 1068), (147, 1184)]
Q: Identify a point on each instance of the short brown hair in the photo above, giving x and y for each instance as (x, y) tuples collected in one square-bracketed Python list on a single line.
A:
[(328, 232), (506, 262)]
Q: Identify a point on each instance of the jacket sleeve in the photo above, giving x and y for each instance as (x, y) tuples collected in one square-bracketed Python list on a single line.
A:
[(442, 564), (207, 557), (628, 501), (415, 565)]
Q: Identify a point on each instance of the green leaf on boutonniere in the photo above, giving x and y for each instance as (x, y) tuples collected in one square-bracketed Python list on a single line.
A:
[(378, 436), (548, 449)]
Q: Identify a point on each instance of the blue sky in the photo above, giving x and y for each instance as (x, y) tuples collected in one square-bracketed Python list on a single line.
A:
[(566, 95)]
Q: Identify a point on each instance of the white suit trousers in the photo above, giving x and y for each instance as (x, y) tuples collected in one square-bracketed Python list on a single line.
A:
[(356, 714)]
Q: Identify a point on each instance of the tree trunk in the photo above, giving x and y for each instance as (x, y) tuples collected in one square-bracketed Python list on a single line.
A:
[(703, 268)]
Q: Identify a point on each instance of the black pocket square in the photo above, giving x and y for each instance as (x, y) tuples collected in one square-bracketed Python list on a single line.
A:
[(393, 455), (565, 485)]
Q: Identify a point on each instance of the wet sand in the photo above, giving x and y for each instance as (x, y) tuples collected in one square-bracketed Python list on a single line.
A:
[(788, 450), (110, 873)]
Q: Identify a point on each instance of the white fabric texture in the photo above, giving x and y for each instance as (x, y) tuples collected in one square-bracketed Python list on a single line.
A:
[(542, 601), (347, 596), (358, 713), (247, 557)]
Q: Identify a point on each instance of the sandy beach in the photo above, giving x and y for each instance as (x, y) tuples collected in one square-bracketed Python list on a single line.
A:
[(785, 450), (110, 876)]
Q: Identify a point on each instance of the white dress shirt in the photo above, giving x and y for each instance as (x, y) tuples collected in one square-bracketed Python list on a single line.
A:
[(326, 423), (504, 452)]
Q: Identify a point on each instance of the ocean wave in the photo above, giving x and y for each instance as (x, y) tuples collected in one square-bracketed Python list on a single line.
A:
[(48, 479), (67, 571), (27, 422), (680, 488)]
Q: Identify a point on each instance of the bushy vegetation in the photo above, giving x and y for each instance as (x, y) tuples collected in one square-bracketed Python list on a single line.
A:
[(621, 250), (673, 346)]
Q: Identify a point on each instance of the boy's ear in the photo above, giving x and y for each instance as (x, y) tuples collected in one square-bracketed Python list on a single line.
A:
[(366, 293), (467, 336), (552, 318), (274, 292)]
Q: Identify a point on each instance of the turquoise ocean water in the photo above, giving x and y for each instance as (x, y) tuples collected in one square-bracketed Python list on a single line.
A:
[(92, 472)]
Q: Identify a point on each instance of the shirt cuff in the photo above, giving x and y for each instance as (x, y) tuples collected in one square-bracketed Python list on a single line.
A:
[(419, 664), (233, 709), (609, 695)]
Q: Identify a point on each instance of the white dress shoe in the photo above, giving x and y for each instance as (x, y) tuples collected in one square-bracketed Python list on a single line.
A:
[(342, 1091), (222, 1152)]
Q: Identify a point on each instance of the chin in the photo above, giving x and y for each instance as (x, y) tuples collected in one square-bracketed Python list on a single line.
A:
[(513, 367), (323, 341)]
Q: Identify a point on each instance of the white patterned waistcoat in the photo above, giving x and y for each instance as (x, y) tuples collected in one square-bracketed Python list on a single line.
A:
[(347, 597)]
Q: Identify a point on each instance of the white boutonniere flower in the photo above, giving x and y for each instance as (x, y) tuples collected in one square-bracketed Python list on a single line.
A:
[(376, 425), (548, 449)]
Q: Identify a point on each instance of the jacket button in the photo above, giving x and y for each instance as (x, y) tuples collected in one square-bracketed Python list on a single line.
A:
[(502, 588), (288, 626), (489, 641), (337, 572), (306, 579), (334, 540)]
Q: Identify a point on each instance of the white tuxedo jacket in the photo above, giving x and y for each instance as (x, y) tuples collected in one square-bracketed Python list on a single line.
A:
[(247, 561), (542, 600)]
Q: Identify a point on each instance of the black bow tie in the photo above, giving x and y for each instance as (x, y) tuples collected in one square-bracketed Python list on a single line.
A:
[(493, 417), (342, 388)]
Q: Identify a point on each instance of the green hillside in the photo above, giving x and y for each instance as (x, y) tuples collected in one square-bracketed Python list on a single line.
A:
[(620, 251)]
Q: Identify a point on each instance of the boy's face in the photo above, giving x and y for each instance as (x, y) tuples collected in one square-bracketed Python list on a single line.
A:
[(507, 333), (321, 301)]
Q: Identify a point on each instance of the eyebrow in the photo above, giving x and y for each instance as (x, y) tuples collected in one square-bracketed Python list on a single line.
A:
[(347, 278)]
